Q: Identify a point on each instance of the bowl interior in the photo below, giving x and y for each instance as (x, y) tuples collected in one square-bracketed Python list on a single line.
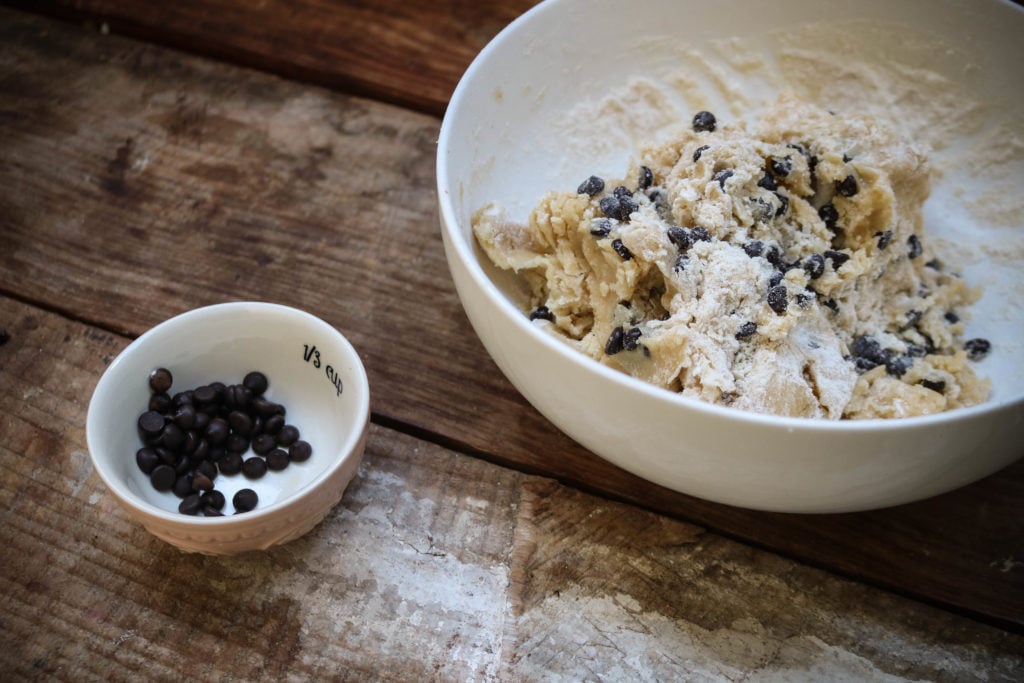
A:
[(312, 370), (543, 107)]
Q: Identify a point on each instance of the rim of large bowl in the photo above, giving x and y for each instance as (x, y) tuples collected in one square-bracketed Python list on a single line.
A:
[(450, 227), (346, 452)]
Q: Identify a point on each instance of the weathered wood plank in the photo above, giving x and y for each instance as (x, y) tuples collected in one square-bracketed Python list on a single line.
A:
[(138, 183), (406, 53), (435, 566)]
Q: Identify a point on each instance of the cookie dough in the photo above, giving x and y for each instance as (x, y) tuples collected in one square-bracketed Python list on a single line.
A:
[(782, 269)]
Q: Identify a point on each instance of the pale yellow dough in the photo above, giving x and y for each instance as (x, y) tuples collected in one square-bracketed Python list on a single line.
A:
[(681, 307)]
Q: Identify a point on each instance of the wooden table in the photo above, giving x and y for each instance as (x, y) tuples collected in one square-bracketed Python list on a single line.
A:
[(157, 157)]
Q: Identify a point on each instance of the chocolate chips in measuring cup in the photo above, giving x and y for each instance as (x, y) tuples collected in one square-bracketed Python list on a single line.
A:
[(192, 436)]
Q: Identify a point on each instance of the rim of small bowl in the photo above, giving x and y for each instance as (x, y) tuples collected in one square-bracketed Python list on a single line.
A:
[(345, 452), (451, 228)]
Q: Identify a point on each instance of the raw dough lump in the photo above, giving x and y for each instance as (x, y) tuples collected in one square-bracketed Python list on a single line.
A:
[(782, 270)]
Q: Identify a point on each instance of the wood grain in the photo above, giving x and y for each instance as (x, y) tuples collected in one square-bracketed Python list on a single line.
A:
[(411, 54), (139, 183), (434, 566)]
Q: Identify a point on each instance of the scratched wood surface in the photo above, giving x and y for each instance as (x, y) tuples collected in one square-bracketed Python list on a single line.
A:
[(435, 566), (140, 182)]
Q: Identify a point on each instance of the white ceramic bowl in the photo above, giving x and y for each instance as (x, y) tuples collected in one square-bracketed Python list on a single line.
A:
[(527, 117), (312, 370)]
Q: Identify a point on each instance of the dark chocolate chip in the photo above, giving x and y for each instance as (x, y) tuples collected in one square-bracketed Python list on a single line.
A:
[(245, 500), (722, 176), (783, 204), (600, 227), (768, 183), (190, 505), (230, 463), (622, 250), (151, 423), (747, 330), (914, 248), (161, 403), (778, 299), (300, 451), (847, 187), (829, 214), (700, 150), (618, 208), (163, 477), (277, 459), (704, 121), (682, 261), (700, 234), (838, 258), (288, 435), (591, 186), (172, 437), (977, 348), (646, 178), (212, 499), (614, 343), (241, 422), (256, 382), (264, 443), (631, 338), (160, 380), (780, 167), (884, 238), (754, 248), (254, 467), (147, 460), (217, 431), (541, 313), (814, 265), (935, 385), (680, 237)]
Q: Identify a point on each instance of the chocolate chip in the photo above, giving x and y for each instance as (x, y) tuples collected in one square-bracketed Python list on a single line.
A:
[(256, 382), (591, 186), (300, 451), (622, 250), (277, 459), (778, 299), (783, 204), (600, 227), (160, 380), (804, 298), (230, 463), (754, 248), (263, 443), (935, 385), (951, 317), (147, 460), (614, 343), (245, 500), (201, 482), (163, 477), (780, 167), (236, 443), (212, 499), (914, 248), (240, 422), (829, 214), (541, 313), (977, 348), (831, 304), (151, 423), (722, 176), (704, 121), (884, 238), (631, 338), (190, 504), (161, 403), (700, 234), (815, 266), (646, 178), (917, 350), (679, 237), (205, 394), (700, 150), (273, 424), (682, 261), (838, 258), (747, 330), (183, 485), (618, 208), (847, 187), (172, 437), (288, 435), (768, 183), (897, 365), (775, 278), (254, 467)]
